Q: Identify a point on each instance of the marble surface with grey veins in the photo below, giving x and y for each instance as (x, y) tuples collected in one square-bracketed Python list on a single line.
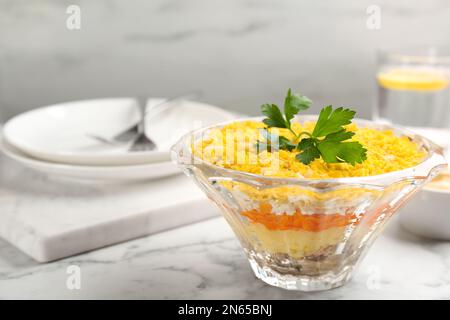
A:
[(204, 261)]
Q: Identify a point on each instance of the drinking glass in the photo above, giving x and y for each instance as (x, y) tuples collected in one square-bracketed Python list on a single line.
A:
[(413, 87)]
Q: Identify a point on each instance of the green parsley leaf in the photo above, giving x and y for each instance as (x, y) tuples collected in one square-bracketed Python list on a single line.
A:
[(306, 143), (274, 116), (335, 152), (309, 151), (293, 103), (328, 139), (340, 135), (332, 147), (331, 121)]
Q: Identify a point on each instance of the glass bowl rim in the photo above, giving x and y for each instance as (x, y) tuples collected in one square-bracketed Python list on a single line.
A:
[(393, 176)]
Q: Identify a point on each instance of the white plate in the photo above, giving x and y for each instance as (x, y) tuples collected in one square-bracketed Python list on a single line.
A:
[(92, 173), (58, 133)]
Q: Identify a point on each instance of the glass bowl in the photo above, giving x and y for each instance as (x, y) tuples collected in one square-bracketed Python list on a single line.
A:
[(306, 234)]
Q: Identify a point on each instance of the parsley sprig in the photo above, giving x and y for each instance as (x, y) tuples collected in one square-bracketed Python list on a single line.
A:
[(328, 139), (293, 104)]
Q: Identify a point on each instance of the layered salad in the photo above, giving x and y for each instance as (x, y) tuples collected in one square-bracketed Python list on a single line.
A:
[(284, 225)]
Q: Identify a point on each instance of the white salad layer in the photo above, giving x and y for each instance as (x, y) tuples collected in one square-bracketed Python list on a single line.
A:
[(306, 205)]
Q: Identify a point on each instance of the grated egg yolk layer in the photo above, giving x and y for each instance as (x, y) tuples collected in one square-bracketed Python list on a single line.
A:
[(233, 147)]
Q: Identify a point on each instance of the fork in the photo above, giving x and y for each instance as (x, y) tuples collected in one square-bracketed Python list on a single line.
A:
[(142, 142), (131, 134)]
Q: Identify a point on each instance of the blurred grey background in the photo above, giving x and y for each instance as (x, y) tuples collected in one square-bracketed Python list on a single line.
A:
[(240, 53)]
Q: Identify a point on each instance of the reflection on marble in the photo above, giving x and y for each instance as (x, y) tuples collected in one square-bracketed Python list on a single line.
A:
[(204, 261)]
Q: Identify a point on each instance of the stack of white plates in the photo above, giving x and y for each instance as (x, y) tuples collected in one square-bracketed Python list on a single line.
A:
[(55, 139)]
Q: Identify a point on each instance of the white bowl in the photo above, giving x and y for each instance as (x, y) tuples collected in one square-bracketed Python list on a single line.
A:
[(428, 213)]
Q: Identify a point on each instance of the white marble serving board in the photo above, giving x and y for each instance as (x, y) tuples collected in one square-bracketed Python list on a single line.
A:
[(50, 219)]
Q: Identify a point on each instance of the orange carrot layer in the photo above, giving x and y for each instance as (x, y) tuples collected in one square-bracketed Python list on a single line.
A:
[(310, 222)]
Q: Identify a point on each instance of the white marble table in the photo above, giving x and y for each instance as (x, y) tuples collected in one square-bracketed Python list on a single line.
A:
[(204, 260)]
